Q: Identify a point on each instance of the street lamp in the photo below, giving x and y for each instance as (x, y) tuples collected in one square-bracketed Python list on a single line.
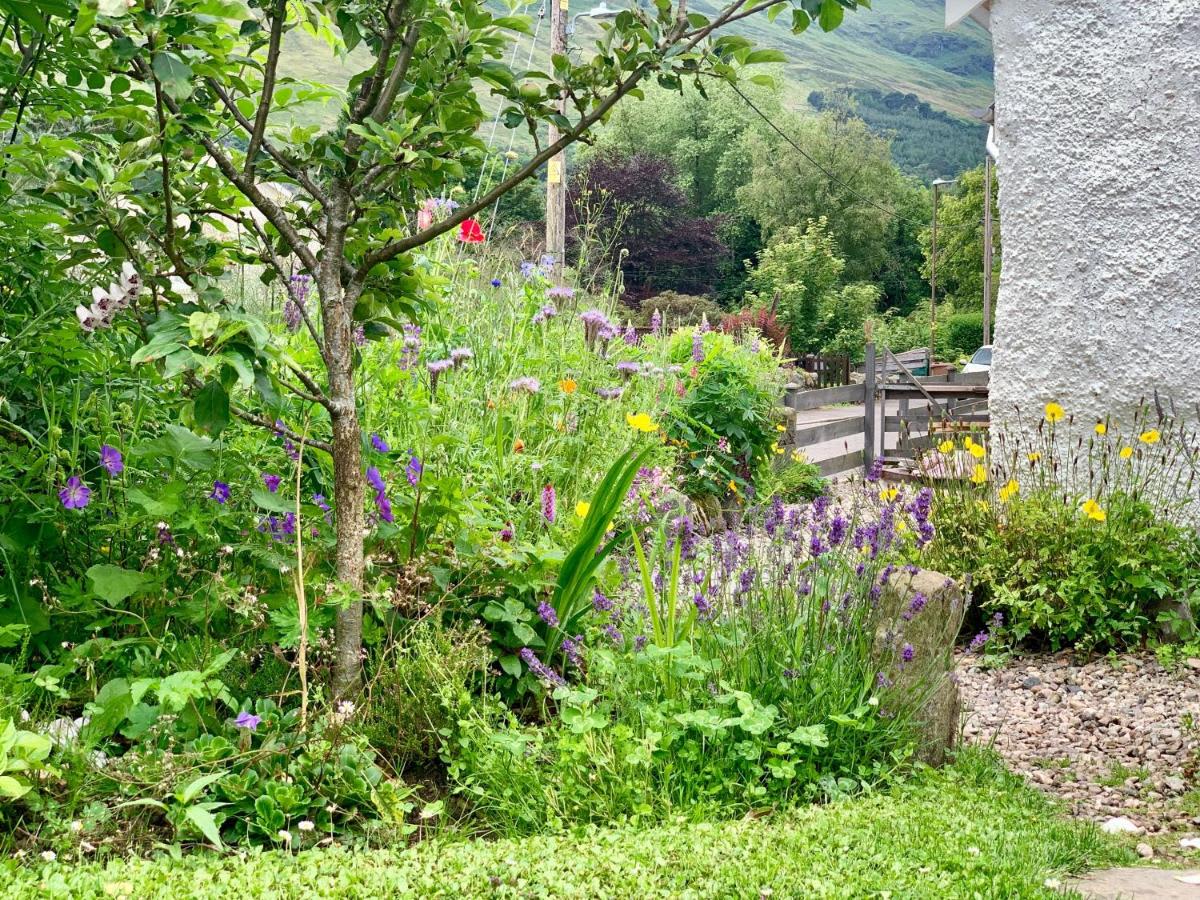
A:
[(937, 186), (600, 11)]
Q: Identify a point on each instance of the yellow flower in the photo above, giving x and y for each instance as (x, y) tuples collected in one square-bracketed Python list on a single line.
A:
[(977, 450), (901, 527), (582, 508), (776, 448), (798, 456), (1126, 452), (887, 495), (568, 386), (1150, 437), (1009, 491), (1034, 456), (1092, 510), (968, 443), (641, 422), (946, 447), (733, 485), (1054, 412), (1101, 428), (979, 475), (780, 428)]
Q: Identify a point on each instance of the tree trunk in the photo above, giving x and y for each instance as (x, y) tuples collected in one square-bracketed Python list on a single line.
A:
[(336, 312)]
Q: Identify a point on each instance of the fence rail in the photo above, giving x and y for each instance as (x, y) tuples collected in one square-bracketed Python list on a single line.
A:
[(919, 411)]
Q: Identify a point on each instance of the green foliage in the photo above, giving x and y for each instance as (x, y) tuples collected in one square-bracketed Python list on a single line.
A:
[(796, 481), (960, 242), (799, 275), (23, 756), (1075, 539), (724, 425), (959, 335), (975, 829)]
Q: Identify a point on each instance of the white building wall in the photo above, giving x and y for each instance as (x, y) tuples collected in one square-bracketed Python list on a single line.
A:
[(1098, 122)]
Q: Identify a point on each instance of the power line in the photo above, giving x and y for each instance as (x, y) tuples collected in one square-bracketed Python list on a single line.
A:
[(827, 173)]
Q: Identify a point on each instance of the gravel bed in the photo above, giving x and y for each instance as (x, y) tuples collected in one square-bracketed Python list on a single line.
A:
[(1113, 737)]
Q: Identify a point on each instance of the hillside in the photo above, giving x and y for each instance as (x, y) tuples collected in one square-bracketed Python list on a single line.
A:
[(900, 47)]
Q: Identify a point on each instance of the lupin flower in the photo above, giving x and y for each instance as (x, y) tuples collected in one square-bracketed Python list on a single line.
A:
[(656, 323), (697, 346), (630, 336), (549, 504)]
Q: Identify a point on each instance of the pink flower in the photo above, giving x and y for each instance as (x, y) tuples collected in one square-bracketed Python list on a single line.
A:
[(470, 232)]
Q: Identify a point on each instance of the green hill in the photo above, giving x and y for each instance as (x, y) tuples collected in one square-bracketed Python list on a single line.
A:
[(898, 47)]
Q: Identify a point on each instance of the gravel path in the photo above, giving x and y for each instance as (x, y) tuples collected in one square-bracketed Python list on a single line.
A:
[(1112, 738)]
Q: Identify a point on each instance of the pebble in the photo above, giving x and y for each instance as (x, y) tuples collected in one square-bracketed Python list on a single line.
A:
[(1145, 851), (1109, 740)]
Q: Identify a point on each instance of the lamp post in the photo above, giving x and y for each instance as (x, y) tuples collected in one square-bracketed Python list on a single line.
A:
[(556, 167), (937, 186)]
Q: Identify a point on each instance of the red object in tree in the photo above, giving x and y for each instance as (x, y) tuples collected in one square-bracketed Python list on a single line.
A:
[(469, 232)]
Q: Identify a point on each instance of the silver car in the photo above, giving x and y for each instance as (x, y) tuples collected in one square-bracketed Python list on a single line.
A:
[(981, 361)]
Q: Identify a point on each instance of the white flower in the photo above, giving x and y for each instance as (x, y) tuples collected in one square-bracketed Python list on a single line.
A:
[(76, 826), (49, 855), (305, 825), (973, 851), (284, 835)]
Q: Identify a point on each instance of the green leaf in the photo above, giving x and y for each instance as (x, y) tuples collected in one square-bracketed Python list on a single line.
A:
[(271, 502), (12, 789), (756, 57), (114, 584), (831, 15), (193, 788), (174, 73), (211, 408), (203, 325), (204, 821), (810, 736)]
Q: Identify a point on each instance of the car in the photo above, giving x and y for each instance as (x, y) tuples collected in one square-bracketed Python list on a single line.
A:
[(981, 360)]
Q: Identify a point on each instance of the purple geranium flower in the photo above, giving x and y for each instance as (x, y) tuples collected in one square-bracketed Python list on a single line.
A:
[(247, 720), (271, 481), (220, 492), (110, 458), (76, 494)]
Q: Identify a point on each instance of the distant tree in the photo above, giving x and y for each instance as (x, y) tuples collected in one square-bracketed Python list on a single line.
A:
[(667, 246), (960, 243)]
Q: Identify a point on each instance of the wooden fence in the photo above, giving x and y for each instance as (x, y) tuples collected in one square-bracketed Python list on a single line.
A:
[(830, 370), (917, 410)]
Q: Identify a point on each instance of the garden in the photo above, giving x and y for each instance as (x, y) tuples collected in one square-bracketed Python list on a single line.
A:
[(352, 545)]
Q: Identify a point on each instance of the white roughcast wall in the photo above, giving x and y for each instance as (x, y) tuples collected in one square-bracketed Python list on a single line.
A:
[(1098, 122)]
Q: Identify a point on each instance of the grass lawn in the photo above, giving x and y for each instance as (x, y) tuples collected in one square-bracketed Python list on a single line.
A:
[(968, 831)]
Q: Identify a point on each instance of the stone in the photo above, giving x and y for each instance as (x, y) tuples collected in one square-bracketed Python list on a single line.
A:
[(1189, 843), (1145, 851), (1175, 783), (1032, 681), (932, 633), (1121, 825)]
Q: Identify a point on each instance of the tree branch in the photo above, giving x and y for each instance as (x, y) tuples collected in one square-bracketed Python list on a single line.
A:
[(268, 86), (387, 96)]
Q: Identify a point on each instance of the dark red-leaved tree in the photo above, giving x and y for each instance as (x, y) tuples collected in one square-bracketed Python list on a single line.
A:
[(669, 246)]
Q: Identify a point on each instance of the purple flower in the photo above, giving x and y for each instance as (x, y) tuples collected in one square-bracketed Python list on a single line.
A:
[(614, 634), (379, 444), (837, 529), (907, 653), (320, 502), (110, 458), (876, 470), (436, 369), (375, 479), (594, 321), (656, 323), (639, 643), (76, 494), (460, 355), (549, 504), (979, 641), (545, 314), (271, 481), (385, 507), (298, 286), (360, 336), (882, 681), (610, 393), (573, 648), (600, 603), (630, 336), (247, 720), (627, 369), (547, 614), (506, 533), (413, 470), (703, 607), (220, 492), (292, 316), (697, 346), (560, 292), (917, 604), (496, 282), (410, 346), (540, 669), (527, 383)]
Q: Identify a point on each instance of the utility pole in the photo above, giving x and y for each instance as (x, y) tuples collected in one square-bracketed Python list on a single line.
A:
[(556, 168), (987, 249)]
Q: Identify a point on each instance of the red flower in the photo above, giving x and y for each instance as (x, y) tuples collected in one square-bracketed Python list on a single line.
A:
[(469, 232)]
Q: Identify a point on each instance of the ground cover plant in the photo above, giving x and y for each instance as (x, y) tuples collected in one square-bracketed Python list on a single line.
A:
[(1078, 534), (969, 831)]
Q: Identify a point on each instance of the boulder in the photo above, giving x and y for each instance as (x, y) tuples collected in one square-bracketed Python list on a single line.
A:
[(931, 629)]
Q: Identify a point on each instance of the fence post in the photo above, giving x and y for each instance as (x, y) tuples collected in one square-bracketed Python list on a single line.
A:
[(869, 404)]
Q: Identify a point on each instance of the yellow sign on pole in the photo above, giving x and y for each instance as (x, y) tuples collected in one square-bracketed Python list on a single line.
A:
[(554, 170)]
